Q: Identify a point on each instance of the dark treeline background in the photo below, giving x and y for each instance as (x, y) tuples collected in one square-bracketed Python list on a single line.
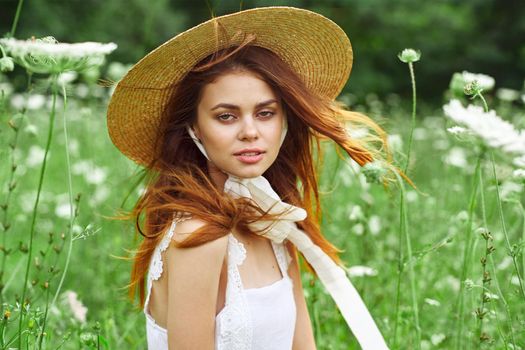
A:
[(482, 36)]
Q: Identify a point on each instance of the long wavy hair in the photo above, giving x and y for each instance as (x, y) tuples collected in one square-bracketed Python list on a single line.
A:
[(178, 182)]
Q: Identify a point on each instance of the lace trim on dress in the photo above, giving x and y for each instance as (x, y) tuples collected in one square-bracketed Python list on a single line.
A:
[(235, 329), (156, 265)]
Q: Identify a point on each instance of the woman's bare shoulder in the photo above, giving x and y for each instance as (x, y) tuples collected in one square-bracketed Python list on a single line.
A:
[(188, 226)]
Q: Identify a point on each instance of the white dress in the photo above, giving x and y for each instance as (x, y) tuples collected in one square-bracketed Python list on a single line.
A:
[(252, 319)]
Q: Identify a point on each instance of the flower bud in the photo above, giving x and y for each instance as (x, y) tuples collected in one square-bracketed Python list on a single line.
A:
[(472, 88), (12, 125), (7, 64), (409, 55), (23, 248), (374, 172)]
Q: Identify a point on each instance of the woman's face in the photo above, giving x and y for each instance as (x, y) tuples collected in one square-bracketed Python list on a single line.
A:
[(239, 122)]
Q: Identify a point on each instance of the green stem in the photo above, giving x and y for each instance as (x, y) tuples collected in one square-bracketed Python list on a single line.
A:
[(493, 267), (411, 274), (413, 81), (41, 335), (484, 264), (70, 192), (503, 226), (8, 199), (485, 106), (17, 15), (460, 304), (398, 284), (522, 239), (35, 208)]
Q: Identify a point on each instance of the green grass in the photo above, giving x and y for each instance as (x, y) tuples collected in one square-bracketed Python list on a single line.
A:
[(436, 218)]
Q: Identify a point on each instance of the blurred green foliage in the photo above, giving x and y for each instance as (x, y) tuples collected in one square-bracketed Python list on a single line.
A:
[(477, 35)]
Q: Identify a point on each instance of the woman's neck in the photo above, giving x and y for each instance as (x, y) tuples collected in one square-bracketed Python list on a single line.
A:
[(217, 175)]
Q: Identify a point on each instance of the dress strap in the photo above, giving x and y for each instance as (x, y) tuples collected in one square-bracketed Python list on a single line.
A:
[(156, 265), (282, 257)]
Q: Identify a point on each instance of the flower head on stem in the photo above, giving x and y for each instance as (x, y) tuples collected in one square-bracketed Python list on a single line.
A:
[(409, 55), (48, 56)]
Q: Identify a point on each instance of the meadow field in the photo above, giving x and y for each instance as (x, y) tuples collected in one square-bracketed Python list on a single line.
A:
[(439, 262)]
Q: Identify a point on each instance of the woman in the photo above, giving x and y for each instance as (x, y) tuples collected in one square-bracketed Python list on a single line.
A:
[(225, 117)]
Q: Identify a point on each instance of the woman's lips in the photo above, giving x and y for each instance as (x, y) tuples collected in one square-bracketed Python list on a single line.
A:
[(250, 158)]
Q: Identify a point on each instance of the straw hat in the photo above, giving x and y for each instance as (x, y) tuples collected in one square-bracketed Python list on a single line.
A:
[(315, 47)]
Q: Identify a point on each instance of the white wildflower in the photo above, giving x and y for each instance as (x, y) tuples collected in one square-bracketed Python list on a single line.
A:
[(92, 174), (74, 147), (361, 271), (31, 129), (420, 134), (101, 194), (46, 55), (35, 156), (506, 262), (374, 224), (18, 101), (80, 167), (63, 210), (442, 144), (432, 302), (6, 88), (96, 176), (456, 157), (82, 90), (6, 64), (358, 229), (519, 161), (493, 130), (508, 95), (395, 142), (59, 102), (437, 339), (77, 308), (519, 173), (486, 82), (117, 70), (462, 216), (457, 130), (67, 77), (515, 280), (509, 189), (411, 196), (36, 101), (492, 296), (356, 213)]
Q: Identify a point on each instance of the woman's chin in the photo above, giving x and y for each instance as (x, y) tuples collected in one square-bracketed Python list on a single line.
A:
[(248, 173)]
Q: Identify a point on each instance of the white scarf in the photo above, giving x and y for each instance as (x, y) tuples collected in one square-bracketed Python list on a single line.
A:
[(332, 276)]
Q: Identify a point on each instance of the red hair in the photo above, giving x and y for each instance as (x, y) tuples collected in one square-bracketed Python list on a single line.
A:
[(178, 180)]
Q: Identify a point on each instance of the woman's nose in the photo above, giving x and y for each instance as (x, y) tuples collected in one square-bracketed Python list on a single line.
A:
[(248, 129)]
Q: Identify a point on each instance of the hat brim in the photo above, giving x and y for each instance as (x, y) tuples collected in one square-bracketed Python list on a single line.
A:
[(316, 48)]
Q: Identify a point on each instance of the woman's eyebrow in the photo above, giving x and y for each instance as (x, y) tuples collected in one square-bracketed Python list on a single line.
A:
[(232, 106)]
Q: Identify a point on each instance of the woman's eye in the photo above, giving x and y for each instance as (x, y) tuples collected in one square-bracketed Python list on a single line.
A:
[(224, 117), (267, 114)]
